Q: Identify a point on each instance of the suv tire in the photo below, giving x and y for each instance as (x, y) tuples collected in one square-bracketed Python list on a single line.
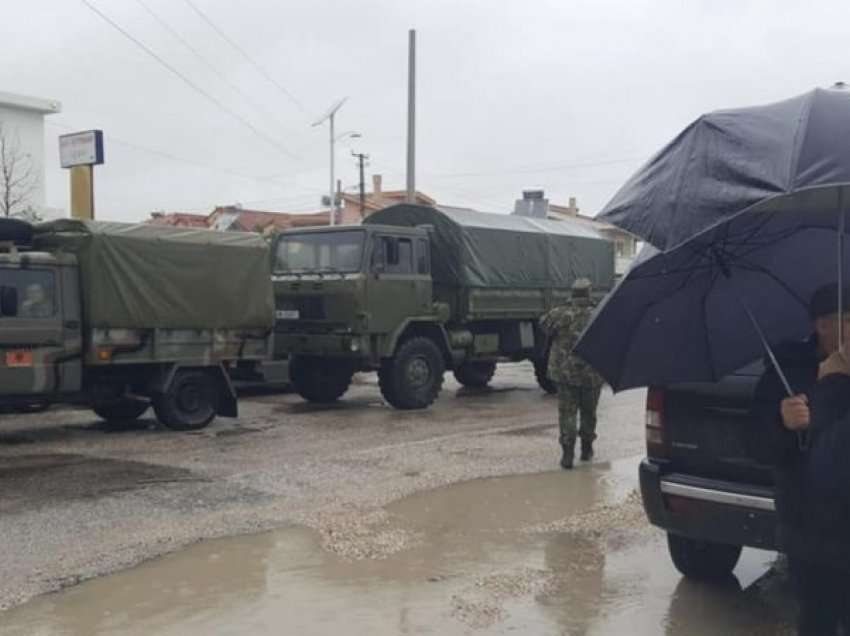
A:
[(475, 375), (412, 379), (318, 380), (702, 560), (190, 402)]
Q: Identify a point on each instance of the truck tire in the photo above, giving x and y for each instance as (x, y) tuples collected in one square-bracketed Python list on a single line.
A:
[(475, 375), (319, 380), (541, 373), (123, 410), (702, 560), (412, 379), (31, 407), (189, 404)]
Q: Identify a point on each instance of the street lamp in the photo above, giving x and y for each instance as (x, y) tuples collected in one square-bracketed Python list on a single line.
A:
[(329, 116)]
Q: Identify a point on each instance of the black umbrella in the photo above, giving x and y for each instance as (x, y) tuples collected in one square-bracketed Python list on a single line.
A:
[(711, 305), (734, 161)]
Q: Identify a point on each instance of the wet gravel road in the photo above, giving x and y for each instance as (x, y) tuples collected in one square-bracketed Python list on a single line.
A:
[(379, 514), (77, 501)]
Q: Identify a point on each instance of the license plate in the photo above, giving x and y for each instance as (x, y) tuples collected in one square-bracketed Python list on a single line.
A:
[(19, 358), (288, 314)]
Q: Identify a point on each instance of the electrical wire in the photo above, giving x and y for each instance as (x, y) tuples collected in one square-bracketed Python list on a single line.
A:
[(187, 81), (244, 54), (209, 65), (172, 157)]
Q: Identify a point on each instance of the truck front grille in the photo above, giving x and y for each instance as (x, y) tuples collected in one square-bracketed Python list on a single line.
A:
[(308, 307)]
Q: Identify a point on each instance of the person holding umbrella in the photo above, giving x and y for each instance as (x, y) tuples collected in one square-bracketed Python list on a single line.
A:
[(789, 436), (742, 213)]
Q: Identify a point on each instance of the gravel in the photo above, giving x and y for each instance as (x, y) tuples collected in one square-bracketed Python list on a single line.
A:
[(78, 501)]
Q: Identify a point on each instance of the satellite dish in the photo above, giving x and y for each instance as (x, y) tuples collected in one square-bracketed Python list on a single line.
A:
[(337, 105)]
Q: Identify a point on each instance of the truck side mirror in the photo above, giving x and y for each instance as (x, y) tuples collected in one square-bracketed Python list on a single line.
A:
[(8, 301)]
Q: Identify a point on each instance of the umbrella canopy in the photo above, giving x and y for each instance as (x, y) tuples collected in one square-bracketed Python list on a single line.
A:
[(732, 161), (696, 312)]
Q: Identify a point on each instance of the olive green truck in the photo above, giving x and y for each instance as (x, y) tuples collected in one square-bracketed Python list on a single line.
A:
[(120, 317), (416, 290)]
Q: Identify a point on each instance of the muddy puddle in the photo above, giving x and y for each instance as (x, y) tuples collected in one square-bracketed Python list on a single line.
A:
[(497, 555)]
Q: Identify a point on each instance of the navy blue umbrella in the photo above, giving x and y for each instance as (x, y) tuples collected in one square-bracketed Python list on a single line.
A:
[(719, 300), (734, 161)]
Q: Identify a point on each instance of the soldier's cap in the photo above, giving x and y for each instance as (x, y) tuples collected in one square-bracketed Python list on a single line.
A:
[(582, 285), (824, 301)]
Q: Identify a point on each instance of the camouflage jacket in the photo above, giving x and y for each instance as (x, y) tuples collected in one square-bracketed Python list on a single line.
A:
[(564, 325)]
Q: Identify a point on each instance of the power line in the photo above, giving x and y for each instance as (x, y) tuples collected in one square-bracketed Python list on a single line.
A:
[(173, 157), (210, 66), (552, 167), (244, 54), (187, 81)]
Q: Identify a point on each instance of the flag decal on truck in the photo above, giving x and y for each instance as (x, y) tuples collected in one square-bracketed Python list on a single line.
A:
[(19, 358)]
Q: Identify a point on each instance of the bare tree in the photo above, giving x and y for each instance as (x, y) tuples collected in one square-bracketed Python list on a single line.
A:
[(18, 179)]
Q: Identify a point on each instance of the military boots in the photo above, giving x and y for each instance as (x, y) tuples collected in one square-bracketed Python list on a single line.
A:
[(568, 446), (586, 450)]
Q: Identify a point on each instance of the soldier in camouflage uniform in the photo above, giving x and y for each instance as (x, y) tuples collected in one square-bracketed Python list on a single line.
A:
[(578, 384)]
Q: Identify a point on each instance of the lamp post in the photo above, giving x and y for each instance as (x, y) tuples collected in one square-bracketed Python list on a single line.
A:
[(329, 117)]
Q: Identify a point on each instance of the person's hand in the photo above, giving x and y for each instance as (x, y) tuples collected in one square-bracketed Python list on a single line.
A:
[(795, 413)]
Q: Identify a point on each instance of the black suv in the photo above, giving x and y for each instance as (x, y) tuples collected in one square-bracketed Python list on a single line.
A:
[(699, 481)]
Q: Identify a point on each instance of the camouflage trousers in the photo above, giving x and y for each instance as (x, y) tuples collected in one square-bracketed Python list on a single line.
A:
[(572, 402)]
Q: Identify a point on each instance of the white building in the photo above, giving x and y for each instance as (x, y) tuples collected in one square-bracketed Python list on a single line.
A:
[(22, 121)]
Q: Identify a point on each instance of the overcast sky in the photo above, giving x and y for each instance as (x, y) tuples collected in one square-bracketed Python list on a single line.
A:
[(570, 96)]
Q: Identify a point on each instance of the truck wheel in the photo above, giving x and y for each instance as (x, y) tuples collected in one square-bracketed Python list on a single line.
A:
[(125, 409), (476, 375), (412, 379), (541, 372), (189, 403), (702, 560), (320, 380), (31, 407)]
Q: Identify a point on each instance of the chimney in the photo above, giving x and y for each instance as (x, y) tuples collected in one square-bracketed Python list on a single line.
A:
[(376, 184), (533, 203), (573, 207)]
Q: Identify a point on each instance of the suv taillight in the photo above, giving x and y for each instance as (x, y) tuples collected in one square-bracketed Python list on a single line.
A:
[(655, 422)]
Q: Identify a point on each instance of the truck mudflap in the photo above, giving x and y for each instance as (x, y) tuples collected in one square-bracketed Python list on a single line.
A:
[(708, 509)]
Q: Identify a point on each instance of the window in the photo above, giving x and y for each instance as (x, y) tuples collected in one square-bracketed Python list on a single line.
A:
[(392, 255), (27, 293), (320, 252), (423, 257)]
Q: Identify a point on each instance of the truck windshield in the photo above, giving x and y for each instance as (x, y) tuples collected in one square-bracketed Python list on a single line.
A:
[(320, 251), (32, 291)]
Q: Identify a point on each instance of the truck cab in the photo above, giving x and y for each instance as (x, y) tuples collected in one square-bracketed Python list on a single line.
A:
[(40, 327), (342, 295)]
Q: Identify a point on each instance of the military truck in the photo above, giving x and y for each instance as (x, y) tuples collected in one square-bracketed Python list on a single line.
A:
[(417, 290), (120, 317)]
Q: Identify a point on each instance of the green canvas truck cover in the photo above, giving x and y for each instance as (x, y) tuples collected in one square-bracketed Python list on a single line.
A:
[(141, 276), (478, 249)]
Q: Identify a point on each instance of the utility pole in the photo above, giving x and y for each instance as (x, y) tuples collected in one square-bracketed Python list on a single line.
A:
[(361, 158), (411, 117)]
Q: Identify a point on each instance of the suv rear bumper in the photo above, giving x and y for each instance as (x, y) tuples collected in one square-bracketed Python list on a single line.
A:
[(708, 509)]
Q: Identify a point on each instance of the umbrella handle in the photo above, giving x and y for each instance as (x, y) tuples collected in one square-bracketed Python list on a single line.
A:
[(802, 437), (842, 226)]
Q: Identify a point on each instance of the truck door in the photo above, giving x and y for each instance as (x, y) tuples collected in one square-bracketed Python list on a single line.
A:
[(34, 359), (392, 289)]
